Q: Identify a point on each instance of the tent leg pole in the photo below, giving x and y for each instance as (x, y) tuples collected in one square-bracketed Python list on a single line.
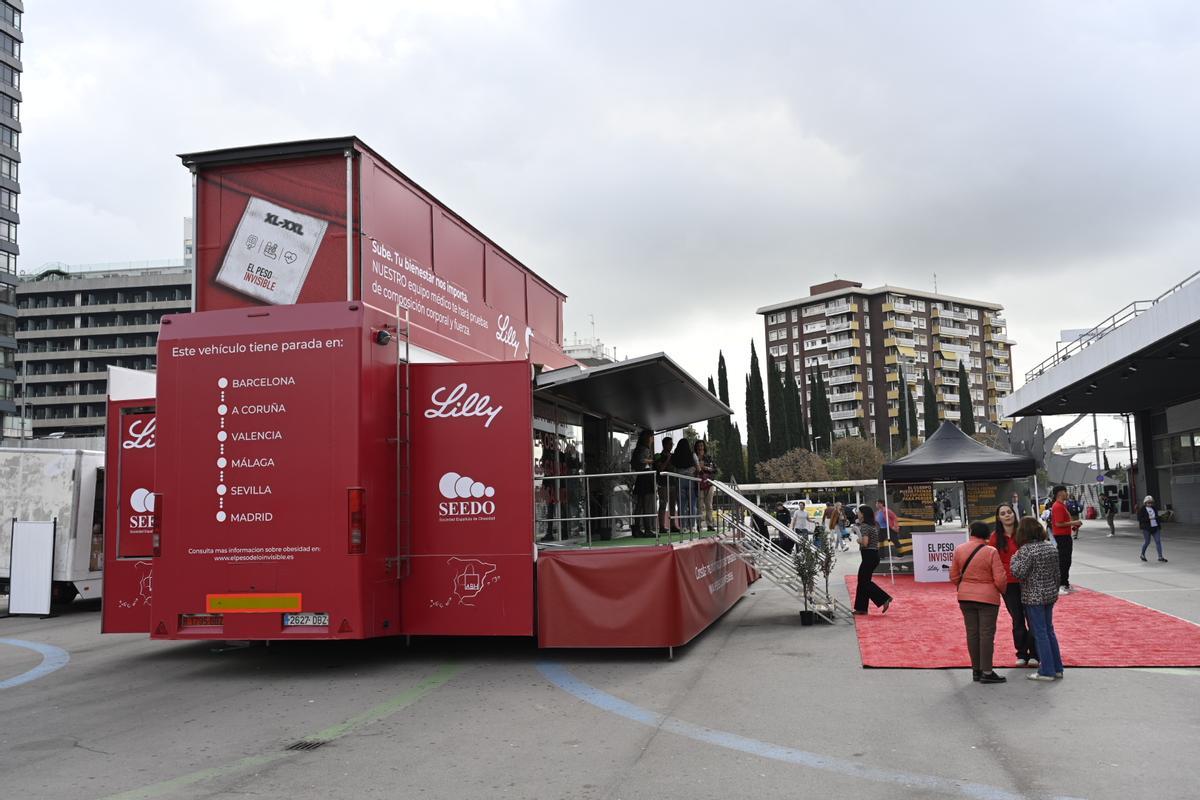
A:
[(891, 541)]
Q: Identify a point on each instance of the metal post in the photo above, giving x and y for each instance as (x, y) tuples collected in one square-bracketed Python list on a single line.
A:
[(1129, 472), (1096, 438), (587, 519)]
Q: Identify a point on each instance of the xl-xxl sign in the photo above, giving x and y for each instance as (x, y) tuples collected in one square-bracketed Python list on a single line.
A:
[(472, 496)]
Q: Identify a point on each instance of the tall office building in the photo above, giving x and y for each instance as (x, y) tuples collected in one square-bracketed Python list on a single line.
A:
[(862, 340), (73, 324), (10, 190)]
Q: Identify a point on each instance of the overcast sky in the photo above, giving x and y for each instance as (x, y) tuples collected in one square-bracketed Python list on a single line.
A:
[(671, 166)]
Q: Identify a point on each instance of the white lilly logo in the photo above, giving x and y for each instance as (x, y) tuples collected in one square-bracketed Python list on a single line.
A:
[(466, 498), (506, 334), (140, 435), (457, 403)]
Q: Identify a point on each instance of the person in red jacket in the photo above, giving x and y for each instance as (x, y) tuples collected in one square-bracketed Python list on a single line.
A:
[(979, 574), (1062, 525), (1004, 539)]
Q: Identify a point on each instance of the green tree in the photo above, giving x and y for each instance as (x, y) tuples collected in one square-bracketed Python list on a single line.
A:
[(780, 437), (966, 420), (730, 457), (795, 414), (758, 437), (931, 408), (822, 419), (736, 458), (858, 459), (794, 466)]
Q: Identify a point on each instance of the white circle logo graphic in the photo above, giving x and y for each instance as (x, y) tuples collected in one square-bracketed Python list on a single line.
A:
[(142, 501), (454, 487)]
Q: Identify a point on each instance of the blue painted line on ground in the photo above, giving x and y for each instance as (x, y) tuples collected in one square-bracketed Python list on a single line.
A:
[(560, 677), (53, 658)]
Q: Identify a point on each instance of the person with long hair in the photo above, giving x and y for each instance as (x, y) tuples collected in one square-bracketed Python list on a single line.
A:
[(641, 461), (706, 470), (683, 462), (1003, 538), (668, 488), (978, 573), (1036, 566), (868, 590)]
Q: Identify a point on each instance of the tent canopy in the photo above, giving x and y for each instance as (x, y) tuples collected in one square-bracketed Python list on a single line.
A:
[(951, 455), (651, 392)]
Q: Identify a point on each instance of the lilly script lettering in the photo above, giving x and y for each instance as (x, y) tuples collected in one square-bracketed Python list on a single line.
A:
[(457, 403), (141, 435)]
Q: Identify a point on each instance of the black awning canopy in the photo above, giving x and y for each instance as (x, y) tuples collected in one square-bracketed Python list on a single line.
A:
[(651, 392), (951, 455)]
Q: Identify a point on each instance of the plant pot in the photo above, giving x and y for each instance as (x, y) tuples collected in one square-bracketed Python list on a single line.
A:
[(808, 617)]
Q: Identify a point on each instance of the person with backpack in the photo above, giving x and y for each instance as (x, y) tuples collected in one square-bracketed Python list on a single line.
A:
[(978, 573)]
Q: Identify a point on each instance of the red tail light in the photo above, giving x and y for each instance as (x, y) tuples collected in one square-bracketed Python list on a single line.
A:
[(156, 526), (356, 500)]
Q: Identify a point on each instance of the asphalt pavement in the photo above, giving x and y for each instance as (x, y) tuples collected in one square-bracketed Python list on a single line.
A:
[(756, 707)]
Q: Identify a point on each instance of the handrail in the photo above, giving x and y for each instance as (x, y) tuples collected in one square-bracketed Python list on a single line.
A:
[(1105, 327)]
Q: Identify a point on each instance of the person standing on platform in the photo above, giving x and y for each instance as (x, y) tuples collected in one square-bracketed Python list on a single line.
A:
[(1036, 566), (666, 486), (683, 462), (1003, 538), (1062, 526), (1151, 525), (706, 470), (1110, 514), (868, 590), (979, 574), (642, 462)]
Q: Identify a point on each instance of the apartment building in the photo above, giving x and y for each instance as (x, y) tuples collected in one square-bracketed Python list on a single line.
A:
[(73, 323), (863, 341), (11, 42)]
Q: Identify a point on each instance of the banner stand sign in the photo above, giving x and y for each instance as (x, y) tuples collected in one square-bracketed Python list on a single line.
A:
[(932, 554), (30, 567)]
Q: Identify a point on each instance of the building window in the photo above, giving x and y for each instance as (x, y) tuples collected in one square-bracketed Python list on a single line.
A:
[(10, 15), (10, 107), (8, 262), (9, 137), (8, 168), (8, 231), (8, 199), (10, 76), (795, 315), (10, 45)]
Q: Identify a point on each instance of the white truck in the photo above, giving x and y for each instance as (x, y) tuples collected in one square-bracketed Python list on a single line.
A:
[(64, 486)]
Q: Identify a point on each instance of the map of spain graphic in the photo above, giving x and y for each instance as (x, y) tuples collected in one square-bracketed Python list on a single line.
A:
[(471, 576)]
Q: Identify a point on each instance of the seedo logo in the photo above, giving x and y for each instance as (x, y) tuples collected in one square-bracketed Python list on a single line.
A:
[(466, 498), (141, 502)]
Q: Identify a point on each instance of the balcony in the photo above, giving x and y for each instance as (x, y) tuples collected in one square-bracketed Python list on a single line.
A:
[(845, 361), (956, 331), (814, 327), (954, 350), (846, 397), (838, 416), (953, 416), (945, 313), (899, 306), (947, 398), (898, 324), (833, 309), (899, 341), (894, 377), (843, 343), (1000, 386), (845, 325), (841, 380)]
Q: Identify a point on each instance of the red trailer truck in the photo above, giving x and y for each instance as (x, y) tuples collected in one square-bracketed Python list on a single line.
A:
[(344, 431)]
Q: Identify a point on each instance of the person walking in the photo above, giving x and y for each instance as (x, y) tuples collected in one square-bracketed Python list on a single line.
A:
[(1151, 525), (868, 543), (1062, 526), (706, 470), (1110, 514), (1003, 538), (829, 522), (800, 523), (979, 574), (1036, 566)]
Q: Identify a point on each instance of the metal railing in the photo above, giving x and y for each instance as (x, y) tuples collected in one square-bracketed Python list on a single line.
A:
[(1110, 324)]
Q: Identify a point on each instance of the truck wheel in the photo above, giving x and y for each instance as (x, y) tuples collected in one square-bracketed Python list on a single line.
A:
[(62, 593)]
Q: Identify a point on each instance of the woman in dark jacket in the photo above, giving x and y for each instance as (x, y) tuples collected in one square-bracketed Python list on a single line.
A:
[(642, 462), (868, 590), (683, 494), (1151, 524)]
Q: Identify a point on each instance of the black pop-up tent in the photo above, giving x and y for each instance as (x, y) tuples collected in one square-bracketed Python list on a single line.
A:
[(951, 455)]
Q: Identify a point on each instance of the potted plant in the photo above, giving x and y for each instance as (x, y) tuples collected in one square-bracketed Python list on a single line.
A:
[(807, 561), (826, 557)]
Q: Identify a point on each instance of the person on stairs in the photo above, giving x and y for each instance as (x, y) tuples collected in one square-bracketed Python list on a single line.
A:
[(978, 572)]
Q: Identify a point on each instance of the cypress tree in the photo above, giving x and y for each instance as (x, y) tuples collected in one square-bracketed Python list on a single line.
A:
[(795, 414), (822, 421), (737, 464), (758, 437), (780, 436), (731, 461), (966, 420), (931, 408), (912, 414)]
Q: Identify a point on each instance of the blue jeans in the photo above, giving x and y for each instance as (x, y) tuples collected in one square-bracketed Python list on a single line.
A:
[(687, 504), (1157, 534), (1041, 622)]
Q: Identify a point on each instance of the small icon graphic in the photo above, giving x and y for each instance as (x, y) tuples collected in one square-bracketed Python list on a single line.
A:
[(142, 501), (271, 250), (251, 242), (470, 577), (289, 257), (454, 486)]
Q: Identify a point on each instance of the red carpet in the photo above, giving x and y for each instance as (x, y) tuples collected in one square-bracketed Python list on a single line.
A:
[(923, 629)]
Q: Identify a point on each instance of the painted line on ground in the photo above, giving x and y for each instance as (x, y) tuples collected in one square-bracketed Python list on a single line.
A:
[(53, 658), (558, 675), (390, 706)]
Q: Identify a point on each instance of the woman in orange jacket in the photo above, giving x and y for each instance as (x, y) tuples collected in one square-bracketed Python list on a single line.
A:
[(979, 574)]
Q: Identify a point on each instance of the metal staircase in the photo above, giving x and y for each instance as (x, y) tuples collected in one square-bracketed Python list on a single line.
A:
[(771, 560)]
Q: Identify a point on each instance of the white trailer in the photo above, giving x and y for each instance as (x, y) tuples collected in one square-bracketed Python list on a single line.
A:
[(66, 486)]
